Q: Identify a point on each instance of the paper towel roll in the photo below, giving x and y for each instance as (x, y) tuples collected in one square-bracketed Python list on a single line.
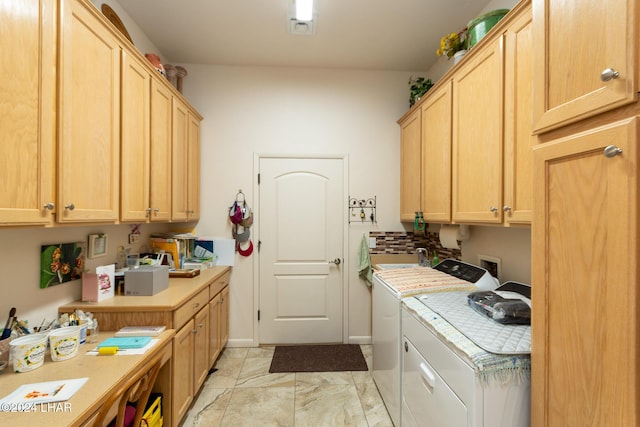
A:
[(449, 236)]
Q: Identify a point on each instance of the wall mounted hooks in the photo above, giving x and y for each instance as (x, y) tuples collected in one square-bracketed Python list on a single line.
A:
[(362, 209)]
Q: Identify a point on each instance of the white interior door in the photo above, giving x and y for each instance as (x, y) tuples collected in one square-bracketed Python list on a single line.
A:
[(301, 202)]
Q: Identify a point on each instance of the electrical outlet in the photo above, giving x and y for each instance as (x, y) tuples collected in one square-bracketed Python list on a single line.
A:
[(134, 238), (491, 264)]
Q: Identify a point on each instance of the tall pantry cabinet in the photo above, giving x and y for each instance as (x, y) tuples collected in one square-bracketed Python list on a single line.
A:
[(585, 290), (27, 105)]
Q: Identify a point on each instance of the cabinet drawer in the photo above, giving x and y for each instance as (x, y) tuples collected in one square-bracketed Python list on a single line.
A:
[(219, 284), (190, 308)]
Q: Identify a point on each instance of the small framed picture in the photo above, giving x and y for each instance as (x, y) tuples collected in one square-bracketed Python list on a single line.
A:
[(97, 245)]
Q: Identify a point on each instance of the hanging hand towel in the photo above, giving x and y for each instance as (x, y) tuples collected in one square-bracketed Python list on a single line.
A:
[(364, 261)]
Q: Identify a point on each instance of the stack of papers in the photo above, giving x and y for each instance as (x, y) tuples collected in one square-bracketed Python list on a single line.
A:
[(125, 342)]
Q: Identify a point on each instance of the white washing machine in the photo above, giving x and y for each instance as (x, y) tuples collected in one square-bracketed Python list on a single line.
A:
[(386, 320), (440, 386)]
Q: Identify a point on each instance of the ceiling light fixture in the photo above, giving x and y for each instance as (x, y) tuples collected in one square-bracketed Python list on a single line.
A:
[(304, 10)]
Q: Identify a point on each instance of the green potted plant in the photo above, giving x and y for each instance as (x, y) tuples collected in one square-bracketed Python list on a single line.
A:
[(419, 86)]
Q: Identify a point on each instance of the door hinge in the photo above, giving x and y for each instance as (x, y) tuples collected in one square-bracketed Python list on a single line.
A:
[(258, 179), (258, 315), (259, 244)]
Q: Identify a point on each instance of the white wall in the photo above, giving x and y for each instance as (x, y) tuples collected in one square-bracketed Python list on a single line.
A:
[(20, 265), (296, 111)]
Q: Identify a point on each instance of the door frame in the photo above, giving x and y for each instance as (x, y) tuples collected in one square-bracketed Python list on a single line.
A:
[(344, 266)]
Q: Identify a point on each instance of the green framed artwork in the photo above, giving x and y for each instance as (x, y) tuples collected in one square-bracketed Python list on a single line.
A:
[(60, 263)]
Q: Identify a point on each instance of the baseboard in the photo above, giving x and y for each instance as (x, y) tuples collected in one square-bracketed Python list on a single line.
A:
[(360, 340), (241, 343)]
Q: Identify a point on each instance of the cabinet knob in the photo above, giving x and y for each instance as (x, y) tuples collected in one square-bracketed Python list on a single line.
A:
[(612, 151), (609, 74), (148, 212), (156, 210), (49, 206), (70, 206), (493, 209), (506, 208)]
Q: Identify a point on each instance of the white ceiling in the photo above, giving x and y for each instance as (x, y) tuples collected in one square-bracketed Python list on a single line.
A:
[(366, 34)]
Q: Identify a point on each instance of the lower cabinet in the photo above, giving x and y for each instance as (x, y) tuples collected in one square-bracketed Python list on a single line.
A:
[(202, 330)]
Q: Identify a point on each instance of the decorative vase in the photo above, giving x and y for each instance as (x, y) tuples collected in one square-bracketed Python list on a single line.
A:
[(458, 56)]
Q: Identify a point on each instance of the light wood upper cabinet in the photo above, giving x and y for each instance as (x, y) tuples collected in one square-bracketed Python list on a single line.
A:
[(27, 105), (180, 162), (410, 168), (478, 138), (193, 168), (436, 155), (517, 205), (585, 290), (160, 172), (575, 43), (135, 145), (89, 131)]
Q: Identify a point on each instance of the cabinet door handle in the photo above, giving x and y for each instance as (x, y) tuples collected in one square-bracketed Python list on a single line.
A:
[(506, 208), (609, 74), (612, 151), (493, 209), (49, 206), (70, 206)]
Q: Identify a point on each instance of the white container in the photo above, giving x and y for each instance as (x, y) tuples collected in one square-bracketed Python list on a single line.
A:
[(27, 352), (64, 342)]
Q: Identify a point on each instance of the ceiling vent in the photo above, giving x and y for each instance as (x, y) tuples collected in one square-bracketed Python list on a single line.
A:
[(301, 28)]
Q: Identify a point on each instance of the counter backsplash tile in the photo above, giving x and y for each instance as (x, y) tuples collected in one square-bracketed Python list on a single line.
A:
[(400, 242)]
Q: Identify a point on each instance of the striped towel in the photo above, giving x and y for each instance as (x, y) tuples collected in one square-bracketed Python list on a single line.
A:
[(420, 280)]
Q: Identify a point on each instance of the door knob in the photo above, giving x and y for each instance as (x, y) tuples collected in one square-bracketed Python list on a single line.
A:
[(336, 261)]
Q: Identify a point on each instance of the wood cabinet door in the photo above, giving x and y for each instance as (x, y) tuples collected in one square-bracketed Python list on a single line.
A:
[(160, 168), (193, 168), (224, 317), (517, 206), (585, 280), (27, 105), (410, 168), (182, 386), (436, 156), (477, 138), (179, 195), (201, 348), (575, 42), (134, 147), (214, 329), (89, 118)]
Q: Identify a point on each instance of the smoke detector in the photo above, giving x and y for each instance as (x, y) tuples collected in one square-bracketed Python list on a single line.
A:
[(301, 28)]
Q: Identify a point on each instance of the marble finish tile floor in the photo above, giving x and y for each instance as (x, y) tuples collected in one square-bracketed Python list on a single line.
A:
[(242, 392)]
